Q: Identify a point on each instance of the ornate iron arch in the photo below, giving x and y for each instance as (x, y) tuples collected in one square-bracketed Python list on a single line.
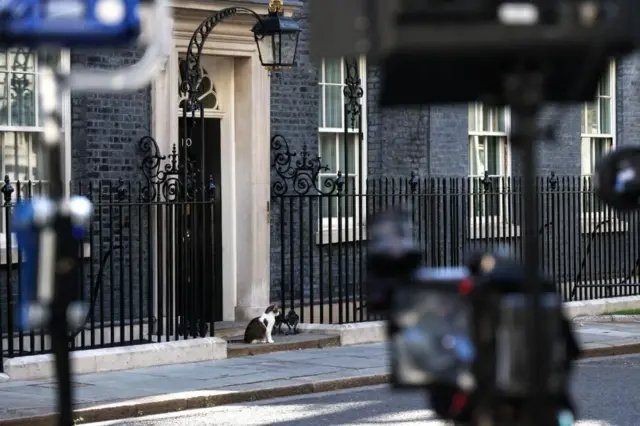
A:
[(192, 71)]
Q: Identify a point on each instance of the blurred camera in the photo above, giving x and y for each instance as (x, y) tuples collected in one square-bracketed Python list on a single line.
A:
[(462, 333), (617, 178), (430, 329)]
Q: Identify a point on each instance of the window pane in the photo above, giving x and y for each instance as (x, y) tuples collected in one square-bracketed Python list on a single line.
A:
[(333, 106), (4, 99), (321, 107), (590, 119), (328, 202), (604, 86), (22, 60), (500, 120), (15, 148), (486, 119), (37, 160), (333, 71), (3, 60), (473, 156), (585, 156), (328, 151), (23, 100), (472, 117), (605, 115), (592, 151), (493, 119), (477, 156), (346, 203), (352, 152), (493, 155)]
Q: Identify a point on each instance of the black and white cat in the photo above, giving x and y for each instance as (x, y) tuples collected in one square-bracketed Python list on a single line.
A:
[(259, 329)]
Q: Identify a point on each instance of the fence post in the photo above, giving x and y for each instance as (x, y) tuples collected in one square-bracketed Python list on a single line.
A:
[(7, 190)]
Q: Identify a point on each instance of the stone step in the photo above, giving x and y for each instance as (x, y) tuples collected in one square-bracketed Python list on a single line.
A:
[(229, 329), (281, 343)]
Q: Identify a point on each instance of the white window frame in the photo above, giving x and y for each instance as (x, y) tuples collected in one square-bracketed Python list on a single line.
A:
[(351, 226), (499, 225), (65, 64), (590, 220)]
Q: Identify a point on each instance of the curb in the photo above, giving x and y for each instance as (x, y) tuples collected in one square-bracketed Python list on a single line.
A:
[(599, 352), (180, 402), (607, 319)]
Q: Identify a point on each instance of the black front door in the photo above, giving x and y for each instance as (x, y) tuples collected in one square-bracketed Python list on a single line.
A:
[(199, 296)]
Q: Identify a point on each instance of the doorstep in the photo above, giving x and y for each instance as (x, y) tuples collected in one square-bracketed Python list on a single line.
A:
[(282, 343)]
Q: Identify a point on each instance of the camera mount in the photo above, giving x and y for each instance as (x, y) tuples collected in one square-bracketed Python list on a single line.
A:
[(523, 91)]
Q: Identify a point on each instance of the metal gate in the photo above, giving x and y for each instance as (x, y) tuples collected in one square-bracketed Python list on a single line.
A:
[(182, 190)]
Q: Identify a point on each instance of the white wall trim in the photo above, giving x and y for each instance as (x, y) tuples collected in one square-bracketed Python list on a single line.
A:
[(66, 121)]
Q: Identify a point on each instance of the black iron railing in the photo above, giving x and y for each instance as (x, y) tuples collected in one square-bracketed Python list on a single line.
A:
[(318, 255), (146, 266)]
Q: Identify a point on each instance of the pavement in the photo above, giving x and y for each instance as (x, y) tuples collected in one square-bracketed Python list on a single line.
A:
[(600, 388), (164, 389)]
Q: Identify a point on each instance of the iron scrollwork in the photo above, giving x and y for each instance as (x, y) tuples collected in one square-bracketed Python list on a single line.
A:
[(177, 180), (301, 175), (353, 91), (486, 182), (414, 182), (553, 181), (7, 190)]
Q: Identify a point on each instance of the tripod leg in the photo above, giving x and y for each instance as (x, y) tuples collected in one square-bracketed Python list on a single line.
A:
[(60, 347)]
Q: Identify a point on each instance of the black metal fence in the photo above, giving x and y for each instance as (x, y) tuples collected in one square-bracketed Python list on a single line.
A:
[(146, 266), (318, 255)]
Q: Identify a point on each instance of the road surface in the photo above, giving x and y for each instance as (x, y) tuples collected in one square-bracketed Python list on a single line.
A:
[(606, 391)]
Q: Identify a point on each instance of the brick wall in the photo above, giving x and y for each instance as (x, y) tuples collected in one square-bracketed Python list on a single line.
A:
[(106, 127)]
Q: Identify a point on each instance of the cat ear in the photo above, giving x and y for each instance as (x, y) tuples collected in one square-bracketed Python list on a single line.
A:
[(271, 308)]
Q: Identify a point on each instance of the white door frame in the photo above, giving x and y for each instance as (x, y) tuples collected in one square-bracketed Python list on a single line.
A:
[(243, 88)]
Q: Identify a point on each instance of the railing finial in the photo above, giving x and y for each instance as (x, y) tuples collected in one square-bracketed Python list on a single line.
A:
[(7, 190), (553, 181), (414, 182)]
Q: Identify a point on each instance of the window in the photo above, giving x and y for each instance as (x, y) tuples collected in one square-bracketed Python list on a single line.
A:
[(341, 146), (488, 157), (21, 155), (597, 136), (597, 132)]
